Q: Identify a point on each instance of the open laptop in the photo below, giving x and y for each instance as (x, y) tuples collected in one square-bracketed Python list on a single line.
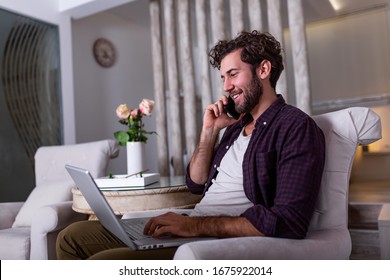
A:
[(130, 231)]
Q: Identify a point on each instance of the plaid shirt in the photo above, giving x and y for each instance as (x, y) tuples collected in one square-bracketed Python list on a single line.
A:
[(282, 169)]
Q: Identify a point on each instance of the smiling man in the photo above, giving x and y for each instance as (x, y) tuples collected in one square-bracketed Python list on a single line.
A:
[(261, 179), (264, 176)]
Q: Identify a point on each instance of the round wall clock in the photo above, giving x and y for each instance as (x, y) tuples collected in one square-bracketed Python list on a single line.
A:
[(104, 52)]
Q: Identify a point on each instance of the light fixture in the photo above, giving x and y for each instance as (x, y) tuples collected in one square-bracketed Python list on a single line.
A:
[(336, 4), (381, 146)]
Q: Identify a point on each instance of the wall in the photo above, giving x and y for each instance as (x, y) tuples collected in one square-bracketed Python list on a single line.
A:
[(29, 8), (98, 91)]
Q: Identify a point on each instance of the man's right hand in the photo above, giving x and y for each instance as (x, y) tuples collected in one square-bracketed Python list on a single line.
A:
[(215, 117)]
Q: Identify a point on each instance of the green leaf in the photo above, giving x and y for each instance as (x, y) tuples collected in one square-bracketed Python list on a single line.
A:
[(122, 137)]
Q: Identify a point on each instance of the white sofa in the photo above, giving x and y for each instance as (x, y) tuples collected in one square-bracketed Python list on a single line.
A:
[(328, 236), (28, 230)]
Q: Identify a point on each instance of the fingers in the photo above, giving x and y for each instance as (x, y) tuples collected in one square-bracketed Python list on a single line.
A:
[(217, 107), (159, 225), (169, 223), (161, 231)]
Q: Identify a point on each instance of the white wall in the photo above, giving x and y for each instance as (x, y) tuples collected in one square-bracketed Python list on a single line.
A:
[(98, 91), (48, 9), (89, 115)]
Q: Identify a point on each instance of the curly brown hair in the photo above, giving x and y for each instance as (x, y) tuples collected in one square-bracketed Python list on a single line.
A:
[(256, 47)]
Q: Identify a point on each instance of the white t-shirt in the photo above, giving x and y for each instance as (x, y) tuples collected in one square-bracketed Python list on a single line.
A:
[(226, 194)]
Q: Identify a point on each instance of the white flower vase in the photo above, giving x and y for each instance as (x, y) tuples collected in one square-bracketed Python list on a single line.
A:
[(135, 157)]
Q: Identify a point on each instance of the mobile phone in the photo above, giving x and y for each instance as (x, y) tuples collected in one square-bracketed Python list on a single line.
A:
[(230, 109)]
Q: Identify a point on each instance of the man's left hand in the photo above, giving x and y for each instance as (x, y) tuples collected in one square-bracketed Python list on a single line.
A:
[(171, 224)]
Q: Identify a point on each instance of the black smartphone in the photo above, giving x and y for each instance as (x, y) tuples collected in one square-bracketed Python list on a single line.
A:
[(230, 109)]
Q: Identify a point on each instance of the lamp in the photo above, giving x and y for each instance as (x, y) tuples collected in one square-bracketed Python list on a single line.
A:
[(382, 146)]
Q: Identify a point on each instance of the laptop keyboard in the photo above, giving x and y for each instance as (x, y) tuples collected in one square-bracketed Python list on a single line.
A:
[(135, 228)]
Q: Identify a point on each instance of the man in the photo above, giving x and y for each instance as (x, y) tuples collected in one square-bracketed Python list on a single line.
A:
[(262, 179)]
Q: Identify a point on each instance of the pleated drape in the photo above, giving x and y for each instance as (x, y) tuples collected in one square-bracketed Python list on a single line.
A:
[(182, 32)]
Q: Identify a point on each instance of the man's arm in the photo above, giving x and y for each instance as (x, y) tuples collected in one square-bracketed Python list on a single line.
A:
[(213, 121), (201, 159), (176, 224)]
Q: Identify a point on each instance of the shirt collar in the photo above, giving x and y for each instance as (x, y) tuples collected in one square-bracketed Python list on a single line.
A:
[(268, 114)]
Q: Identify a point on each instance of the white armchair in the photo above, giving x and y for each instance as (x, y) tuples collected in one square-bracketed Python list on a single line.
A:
[(328, 236), (28, 230)]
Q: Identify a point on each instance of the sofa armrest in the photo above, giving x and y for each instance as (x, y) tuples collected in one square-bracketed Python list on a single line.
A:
[(8, 212), (48, 219), (55, 217)]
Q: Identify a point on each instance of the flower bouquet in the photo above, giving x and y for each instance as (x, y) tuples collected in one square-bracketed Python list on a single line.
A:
[(133, 120)]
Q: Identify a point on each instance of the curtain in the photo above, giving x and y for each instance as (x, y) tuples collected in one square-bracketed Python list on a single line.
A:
[(182, 33)]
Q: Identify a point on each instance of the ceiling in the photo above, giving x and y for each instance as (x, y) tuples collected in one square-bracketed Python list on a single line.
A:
[(314, 10)]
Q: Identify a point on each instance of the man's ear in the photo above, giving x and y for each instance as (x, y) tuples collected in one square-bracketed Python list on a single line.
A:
[(264, 69)]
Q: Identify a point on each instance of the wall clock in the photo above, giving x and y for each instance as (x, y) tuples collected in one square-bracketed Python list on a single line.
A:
[(104, 52)]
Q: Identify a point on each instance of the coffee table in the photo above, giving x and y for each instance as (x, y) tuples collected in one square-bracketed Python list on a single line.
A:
[(168, 193)]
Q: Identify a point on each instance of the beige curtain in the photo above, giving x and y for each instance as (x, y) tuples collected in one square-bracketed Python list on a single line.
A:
[(182, 32)]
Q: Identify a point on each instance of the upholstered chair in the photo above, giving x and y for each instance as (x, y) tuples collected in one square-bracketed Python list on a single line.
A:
[(28, 230), (328, 236)]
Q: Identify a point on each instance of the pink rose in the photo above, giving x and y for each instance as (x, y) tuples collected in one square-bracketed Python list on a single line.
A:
[(123, 112), (134, 113), (146, 106)]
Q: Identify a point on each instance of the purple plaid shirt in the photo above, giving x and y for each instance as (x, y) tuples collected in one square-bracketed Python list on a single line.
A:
[(282, 169)]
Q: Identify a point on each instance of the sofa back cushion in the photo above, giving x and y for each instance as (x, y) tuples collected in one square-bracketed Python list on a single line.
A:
[(94, 156), (344, 130)]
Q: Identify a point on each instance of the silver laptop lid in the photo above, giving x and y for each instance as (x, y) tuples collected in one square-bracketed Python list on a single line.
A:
[(98, 203)]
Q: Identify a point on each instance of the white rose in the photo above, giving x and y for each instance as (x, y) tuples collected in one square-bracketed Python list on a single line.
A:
[(123, 112), (146, 106)]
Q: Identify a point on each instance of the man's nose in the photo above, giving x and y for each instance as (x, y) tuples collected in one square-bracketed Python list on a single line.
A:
[(227, 85)]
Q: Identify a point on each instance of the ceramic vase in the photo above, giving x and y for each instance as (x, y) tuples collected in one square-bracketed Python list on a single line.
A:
[(135, 157)]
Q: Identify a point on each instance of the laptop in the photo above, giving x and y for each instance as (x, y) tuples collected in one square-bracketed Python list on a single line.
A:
[(130, 231)]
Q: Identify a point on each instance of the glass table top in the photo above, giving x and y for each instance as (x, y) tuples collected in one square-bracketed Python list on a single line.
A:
[(164, 182)]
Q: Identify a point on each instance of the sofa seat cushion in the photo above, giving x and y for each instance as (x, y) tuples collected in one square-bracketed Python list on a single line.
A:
[(46, 194), (15, 244), (322, 244)]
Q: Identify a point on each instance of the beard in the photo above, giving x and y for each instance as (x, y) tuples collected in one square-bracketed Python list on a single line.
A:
[(252, 94)]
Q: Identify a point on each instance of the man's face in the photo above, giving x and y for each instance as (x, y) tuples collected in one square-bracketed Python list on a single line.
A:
[(239, 81)]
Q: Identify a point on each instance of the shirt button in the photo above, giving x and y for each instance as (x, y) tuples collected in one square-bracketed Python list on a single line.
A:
[(215, 166), (227, 147), (264, 123), (205, 185)]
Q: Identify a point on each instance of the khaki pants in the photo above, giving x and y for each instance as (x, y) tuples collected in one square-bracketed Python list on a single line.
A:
[(90, 240)]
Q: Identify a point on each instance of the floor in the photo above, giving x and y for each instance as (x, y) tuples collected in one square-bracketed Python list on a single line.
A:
[(370, 191), (365, 203)]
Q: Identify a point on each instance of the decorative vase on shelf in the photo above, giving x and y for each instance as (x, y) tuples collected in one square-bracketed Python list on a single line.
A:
[(135, 157)]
